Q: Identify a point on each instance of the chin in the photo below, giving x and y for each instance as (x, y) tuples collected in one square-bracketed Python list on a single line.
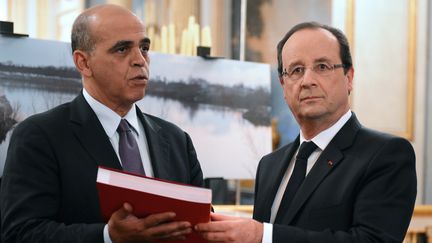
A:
[(136, 96), (312, 114)]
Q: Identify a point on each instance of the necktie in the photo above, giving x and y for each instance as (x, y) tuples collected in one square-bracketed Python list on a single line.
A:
[(128, 149), (296, 178)]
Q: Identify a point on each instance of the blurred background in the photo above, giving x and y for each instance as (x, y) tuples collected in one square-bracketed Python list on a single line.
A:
[(390, 41)]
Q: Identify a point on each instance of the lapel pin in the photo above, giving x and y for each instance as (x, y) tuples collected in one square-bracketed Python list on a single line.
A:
[(330, 163)]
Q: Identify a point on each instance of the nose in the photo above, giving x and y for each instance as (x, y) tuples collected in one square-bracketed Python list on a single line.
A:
[(139, 59), (309, 78)]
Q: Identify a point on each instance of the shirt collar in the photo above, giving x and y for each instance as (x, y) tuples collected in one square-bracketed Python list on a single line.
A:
[(108, 118), (324, 137)]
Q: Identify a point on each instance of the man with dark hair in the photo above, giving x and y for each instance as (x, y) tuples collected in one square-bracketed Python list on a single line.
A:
[(338, 181), (48, 192)]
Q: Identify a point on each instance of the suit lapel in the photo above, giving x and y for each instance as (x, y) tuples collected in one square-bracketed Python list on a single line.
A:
[(90, 133), (319, 171), (275, 181), (158, 145), (329, 159)]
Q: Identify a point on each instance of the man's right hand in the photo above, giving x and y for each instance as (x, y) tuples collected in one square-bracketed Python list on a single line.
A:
[(123, 226)]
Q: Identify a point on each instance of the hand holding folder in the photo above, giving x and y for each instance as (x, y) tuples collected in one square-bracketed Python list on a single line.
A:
[(149, 196)]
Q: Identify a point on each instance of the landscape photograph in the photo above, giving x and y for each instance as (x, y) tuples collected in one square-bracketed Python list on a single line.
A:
[(224, 105)]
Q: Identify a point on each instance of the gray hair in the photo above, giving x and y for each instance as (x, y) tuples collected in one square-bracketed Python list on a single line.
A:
[(81, 37)]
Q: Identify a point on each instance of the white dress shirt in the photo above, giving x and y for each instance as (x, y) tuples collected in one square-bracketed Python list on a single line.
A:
[(110, 121), (321, 140)]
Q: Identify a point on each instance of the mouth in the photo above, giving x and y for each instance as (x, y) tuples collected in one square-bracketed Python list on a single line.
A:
[(140, 78), (310, 98)]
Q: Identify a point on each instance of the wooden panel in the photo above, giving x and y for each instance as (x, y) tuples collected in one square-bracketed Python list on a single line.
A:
[(383, 38)]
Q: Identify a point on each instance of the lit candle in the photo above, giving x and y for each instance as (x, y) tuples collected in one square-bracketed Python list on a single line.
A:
[(157, 43), (189, 43), (196, 38), (206, 36), (151, 35), (171, 39), (183, 42), (164, 39), (191, 22)]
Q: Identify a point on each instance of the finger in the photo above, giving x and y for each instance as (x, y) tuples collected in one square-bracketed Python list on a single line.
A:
[(120, 222), (220, 217), (127, 207), (215, 236), (213, 226), (122, 212), (170, 229), (156, 219), (176, 234)]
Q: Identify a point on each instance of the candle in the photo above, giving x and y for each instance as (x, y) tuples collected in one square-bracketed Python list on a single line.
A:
[(183, 42), (171, 39), (206, 36), (151, 35), (164, 39), (157, 43)]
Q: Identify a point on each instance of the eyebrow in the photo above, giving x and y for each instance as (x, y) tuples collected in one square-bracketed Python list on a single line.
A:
[(296, 63), (128, 43), (146, 40), (122, 43), (322, 59)]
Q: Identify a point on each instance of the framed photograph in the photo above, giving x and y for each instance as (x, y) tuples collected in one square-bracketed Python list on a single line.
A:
[(223, 104)]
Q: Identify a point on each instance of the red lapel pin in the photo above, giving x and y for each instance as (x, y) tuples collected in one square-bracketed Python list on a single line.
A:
[(330, 163)]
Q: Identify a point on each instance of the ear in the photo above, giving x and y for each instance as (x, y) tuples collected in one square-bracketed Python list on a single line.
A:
[(81, 60), (283, 88), (350, 77)]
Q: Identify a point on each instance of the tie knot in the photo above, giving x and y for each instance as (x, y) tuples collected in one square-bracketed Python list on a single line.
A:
[(306, 149), (123, 126)]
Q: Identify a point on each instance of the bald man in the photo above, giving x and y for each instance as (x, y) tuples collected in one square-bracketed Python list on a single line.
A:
[(48, 193)]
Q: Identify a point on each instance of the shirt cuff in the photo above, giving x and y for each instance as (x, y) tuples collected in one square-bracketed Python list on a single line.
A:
[(268, 233), (106, 236)]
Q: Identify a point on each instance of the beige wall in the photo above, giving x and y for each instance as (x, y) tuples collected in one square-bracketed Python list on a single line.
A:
[(389, 54), (278, 16), (428, 132)]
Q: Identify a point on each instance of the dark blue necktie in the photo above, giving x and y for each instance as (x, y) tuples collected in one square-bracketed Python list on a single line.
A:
[(297, 177), (128, 149)]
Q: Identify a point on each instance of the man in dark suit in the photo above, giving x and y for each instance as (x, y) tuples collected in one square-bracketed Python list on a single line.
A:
[(354, 185), (48, 192)]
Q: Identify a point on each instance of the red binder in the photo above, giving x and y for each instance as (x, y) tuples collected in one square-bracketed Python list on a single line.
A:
[(149, 195)]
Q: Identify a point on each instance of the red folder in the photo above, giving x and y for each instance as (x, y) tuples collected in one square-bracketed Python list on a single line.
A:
[(149, 195)]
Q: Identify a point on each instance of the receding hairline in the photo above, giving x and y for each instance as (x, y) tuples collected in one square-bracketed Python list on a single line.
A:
[(90, 14), (344, 50), (82, 36), (319, 29), (106, 7)]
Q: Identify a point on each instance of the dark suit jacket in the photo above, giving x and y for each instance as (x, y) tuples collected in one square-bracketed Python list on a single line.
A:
[(361, 189), (48, 192)]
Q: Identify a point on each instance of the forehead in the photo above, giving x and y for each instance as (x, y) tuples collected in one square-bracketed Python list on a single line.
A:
[(310, 45), (118, 27)]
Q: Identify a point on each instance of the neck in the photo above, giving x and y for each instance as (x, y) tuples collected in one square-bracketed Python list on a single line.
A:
[(121, 108), (311, 127)]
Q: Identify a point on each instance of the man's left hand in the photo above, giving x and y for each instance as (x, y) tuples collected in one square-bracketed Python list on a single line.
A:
[(231, 229)]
